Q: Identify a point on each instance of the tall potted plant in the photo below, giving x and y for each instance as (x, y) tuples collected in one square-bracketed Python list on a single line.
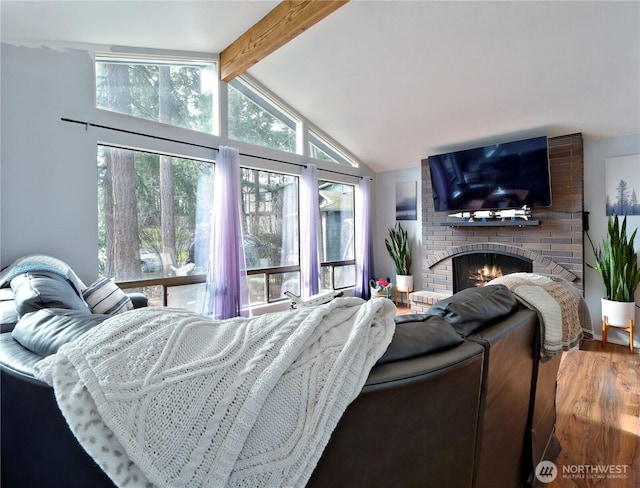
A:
[(617, 264), (399, 248)]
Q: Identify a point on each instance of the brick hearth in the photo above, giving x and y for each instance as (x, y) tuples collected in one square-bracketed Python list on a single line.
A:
[(556, 246)]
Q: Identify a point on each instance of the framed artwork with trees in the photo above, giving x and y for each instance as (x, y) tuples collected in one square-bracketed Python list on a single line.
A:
[(622, 180)]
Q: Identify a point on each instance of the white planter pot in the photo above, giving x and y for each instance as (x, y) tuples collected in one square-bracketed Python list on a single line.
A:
[(618, 313), (404, 283)]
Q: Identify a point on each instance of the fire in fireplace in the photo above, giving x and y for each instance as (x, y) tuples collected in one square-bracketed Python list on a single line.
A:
[(475, 269), (485, 274)]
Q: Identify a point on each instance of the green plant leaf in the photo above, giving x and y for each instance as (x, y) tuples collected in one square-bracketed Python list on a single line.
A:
[(617, 262), (399, 248)]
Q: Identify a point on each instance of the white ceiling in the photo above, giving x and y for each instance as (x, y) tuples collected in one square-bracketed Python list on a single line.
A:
[(395, 81)]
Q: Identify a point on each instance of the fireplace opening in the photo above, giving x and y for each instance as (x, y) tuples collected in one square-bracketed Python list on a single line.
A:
[(475, 269)]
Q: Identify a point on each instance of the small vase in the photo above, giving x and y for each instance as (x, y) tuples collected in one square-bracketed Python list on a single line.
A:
[(404, 283)]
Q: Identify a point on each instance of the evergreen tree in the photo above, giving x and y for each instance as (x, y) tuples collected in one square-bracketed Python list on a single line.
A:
[(634, 207), (622, 192), (122, 239)]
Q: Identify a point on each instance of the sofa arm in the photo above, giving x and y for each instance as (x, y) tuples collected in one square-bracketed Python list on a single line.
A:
[(139, 300), (37, 448)]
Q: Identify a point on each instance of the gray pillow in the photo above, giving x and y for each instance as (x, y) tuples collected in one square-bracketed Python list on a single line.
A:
[(417, 335), (474, 308), (36, 290), (45, 330)]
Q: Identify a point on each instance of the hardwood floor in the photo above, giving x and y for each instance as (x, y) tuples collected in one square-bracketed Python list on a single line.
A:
[(402, 309), (598, 418)]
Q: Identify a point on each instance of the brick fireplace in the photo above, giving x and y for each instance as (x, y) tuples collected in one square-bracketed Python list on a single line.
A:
[(555, 246)]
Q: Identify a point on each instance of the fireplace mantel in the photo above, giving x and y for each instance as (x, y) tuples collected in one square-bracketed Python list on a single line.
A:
[(491, 223)]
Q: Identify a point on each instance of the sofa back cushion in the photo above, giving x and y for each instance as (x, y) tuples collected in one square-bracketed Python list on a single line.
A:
[(419, 334), (473, 308)]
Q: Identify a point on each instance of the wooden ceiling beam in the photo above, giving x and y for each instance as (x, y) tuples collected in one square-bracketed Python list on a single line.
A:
[(287, 20)]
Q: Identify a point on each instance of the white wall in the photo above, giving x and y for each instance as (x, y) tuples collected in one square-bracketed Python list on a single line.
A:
[(595, 154), (385, 217), (48, 174)]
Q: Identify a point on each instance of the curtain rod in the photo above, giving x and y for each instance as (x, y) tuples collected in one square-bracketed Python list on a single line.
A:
[(125, 131)]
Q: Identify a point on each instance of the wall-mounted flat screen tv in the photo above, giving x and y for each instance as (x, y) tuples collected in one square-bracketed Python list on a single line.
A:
[(508, 175)]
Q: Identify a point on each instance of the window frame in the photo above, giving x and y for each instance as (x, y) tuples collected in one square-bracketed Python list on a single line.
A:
[(333, 264), (306, 132), (274, 270), (151, 136), (159, 154), (270, 104), (163, 60), (338, 156)]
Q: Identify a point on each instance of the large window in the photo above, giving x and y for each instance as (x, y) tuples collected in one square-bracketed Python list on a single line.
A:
[(270, 226), (182, 94), (161, 226), (337, 202), (152, 209), (155, 207)]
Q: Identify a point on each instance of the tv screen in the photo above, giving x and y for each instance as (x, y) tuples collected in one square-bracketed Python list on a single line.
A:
[(508, 175)]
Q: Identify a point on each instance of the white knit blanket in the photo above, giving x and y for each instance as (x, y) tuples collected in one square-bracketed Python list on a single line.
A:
[(168, 398)]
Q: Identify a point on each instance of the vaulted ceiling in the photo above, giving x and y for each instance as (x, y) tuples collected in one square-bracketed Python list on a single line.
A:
[(396, 81)]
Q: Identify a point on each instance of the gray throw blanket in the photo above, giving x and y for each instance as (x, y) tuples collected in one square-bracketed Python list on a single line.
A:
[(564, 317)]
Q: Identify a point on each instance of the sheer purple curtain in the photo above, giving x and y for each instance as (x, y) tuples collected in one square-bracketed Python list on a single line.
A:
[(364, 245), (227, 290), (309, 231)]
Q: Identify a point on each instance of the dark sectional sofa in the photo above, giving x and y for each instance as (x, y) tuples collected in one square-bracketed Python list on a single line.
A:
[(464, 402), (459, 399)]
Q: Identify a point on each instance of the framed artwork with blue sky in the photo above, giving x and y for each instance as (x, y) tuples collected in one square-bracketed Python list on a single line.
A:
[(407, 200)]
